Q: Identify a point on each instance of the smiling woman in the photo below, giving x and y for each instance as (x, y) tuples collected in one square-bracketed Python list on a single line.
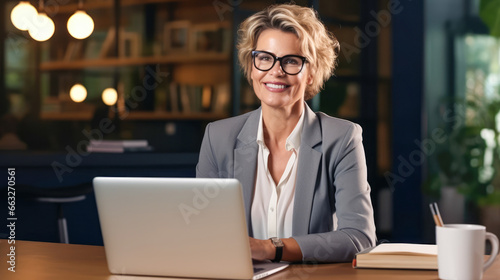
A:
[(299, 169)]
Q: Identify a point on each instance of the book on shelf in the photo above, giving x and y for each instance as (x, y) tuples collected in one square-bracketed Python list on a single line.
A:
[(118, 146), (197, 98), (74, 51), (173, 95), (107, 45), (398, 256), (221, 98), (206, 97), (184, 96)]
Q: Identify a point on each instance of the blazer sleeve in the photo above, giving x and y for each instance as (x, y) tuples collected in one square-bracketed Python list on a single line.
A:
[(207, 164), (355, 228)]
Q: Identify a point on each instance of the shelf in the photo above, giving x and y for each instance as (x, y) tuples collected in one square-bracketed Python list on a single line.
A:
[(107, 4), (67, 116), (134, 61), (138, 116), (175, 116)]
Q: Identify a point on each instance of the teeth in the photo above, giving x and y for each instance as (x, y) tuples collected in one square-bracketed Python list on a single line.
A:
[(276, 86)]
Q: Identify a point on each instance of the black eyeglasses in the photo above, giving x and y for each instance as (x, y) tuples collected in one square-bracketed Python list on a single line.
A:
[(290, 64)]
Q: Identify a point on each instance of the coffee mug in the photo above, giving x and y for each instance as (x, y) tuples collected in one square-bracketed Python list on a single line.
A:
[(461, 251)]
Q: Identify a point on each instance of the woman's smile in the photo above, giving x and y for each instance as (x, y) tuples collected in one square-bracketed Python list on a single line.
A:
[(276, 86)]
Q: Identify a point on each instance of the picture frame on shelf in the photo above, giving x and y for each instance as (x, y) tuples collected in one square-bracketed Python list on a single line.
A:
[(130, 44), (210, 38), (176, 36)]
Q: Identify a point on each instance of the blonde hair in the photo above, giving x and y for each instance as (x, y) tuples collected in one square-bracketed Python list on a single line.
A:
[(318, 45)]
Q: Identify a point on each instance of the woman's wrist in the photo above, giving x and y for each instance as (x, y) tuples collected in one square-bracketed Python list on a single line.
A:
[(270, 249)]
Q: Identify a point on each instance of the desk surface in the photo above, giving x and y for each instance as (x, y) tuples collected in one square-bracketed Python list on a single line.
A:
[(39, 260)]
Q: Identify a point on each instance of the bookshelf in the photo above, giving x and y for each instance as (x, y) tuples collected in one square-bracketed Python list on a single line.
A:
[(160, 43), (109, 4), (54, 66)]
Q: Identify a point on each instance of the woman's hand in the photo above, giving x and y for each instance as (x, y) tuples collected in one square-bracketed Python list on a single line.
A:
[(262, 249)]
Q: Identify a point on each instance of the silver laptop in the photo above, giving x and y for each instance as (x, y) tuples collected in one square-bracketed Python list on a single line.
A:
[(176, 227)]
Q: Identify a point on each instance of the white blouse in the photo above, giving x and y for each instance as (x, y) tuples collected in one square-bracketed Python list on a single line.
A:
[(272, 206)]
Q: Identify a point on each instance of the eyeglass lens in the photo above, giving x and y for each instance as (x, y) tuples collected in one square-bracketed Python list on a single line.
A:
[(290, 64)]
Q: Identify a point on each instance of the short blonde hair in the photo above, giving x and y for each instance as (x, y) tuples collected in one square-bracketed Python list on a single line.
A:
[(318, 45)]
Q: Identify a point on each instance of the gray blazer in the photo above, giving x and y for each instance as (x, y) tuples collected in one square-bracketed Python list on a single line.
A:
[(331, 178)]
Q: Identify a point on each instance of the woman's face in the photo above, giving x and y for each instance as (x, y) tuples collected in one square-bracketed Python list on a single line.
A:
[(275, 88)]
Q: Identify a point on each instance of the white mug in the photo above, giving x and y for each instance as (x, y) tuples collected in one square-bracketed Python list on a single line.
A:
[(461, 251)]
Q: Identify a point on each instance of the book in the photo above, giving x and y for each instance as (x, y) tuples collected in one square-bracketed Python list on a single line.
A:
[(174, 98), (184, 95), (398, 256), (118, 146), (221, 98), (72, 51)]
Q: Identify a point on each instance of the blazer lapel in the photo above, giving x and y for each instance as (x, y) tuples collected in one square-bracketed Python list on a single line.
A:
[(307, 172), (245, 161)]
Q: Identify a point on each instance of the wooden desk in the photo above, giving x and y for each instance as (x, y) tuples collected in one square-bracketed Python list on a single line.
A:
[(53, 261)]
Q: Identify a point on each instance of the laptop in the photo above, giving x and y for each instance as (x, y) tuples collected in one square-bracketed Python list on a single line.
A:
[(176, 227)]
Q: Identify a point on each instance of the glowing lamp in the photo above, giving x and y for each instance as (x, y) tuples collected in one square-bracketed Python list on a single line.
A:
[(80, 25), (22, 14), (109, 96), (78, 93), (42, 28)]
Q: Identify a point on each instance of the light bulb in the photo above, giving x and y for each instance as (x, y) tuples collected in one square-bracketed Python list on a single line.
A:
[(78, 93), (42, 28), (109, 96), (80, 25), (22, 14)]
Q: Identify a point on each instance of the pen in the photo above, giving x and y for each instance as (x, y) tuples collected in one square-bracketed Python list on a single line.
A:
[(436, 215)]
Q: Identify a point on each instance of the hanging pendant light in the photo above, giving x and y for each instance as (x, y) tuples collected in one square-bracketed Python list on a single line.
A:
[(78, 93), (43, 28), (22, 14), (109, 96), (80, 24)]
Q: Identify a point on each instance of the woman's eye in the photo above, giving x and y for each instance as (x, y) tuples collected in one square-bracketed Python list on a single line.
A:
[(291, 61)]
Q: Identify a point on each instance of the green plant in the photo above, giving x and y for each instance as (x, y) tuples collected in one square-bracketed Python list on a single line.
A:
[(469, 158), (489, 12)]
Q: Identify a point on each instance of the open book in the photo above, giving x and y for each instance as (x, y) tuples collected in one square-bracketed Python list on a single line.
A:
[(398, 256)]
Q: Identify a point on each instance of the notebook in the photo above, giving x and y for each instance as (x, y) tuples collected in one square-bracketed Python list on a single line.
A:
[(176, 227), (398, 256)]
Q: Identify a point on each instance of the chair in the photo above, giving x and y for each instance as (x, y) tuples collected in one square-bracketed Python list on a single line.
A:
[(59, 196)]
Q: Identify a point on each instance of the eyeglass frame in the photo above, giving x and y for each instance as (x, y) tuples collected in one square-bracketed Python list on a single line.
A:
[(280, 59)]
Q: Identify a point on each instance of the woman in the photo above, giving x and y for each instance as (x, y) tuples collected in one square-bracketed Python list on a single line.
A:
[(298, 169)]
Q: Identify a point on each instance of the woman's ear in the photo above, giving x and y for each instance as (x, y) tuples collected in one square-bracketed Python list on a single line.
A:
[(310, 79)]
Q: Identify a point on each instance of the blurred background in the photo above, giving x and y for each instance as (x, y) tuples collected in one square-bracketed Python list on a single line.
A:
[(146, 76)]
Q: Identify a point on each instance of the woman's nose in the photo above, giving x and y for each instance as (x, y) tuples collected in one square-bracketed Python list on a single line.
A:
[(277, 70)]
